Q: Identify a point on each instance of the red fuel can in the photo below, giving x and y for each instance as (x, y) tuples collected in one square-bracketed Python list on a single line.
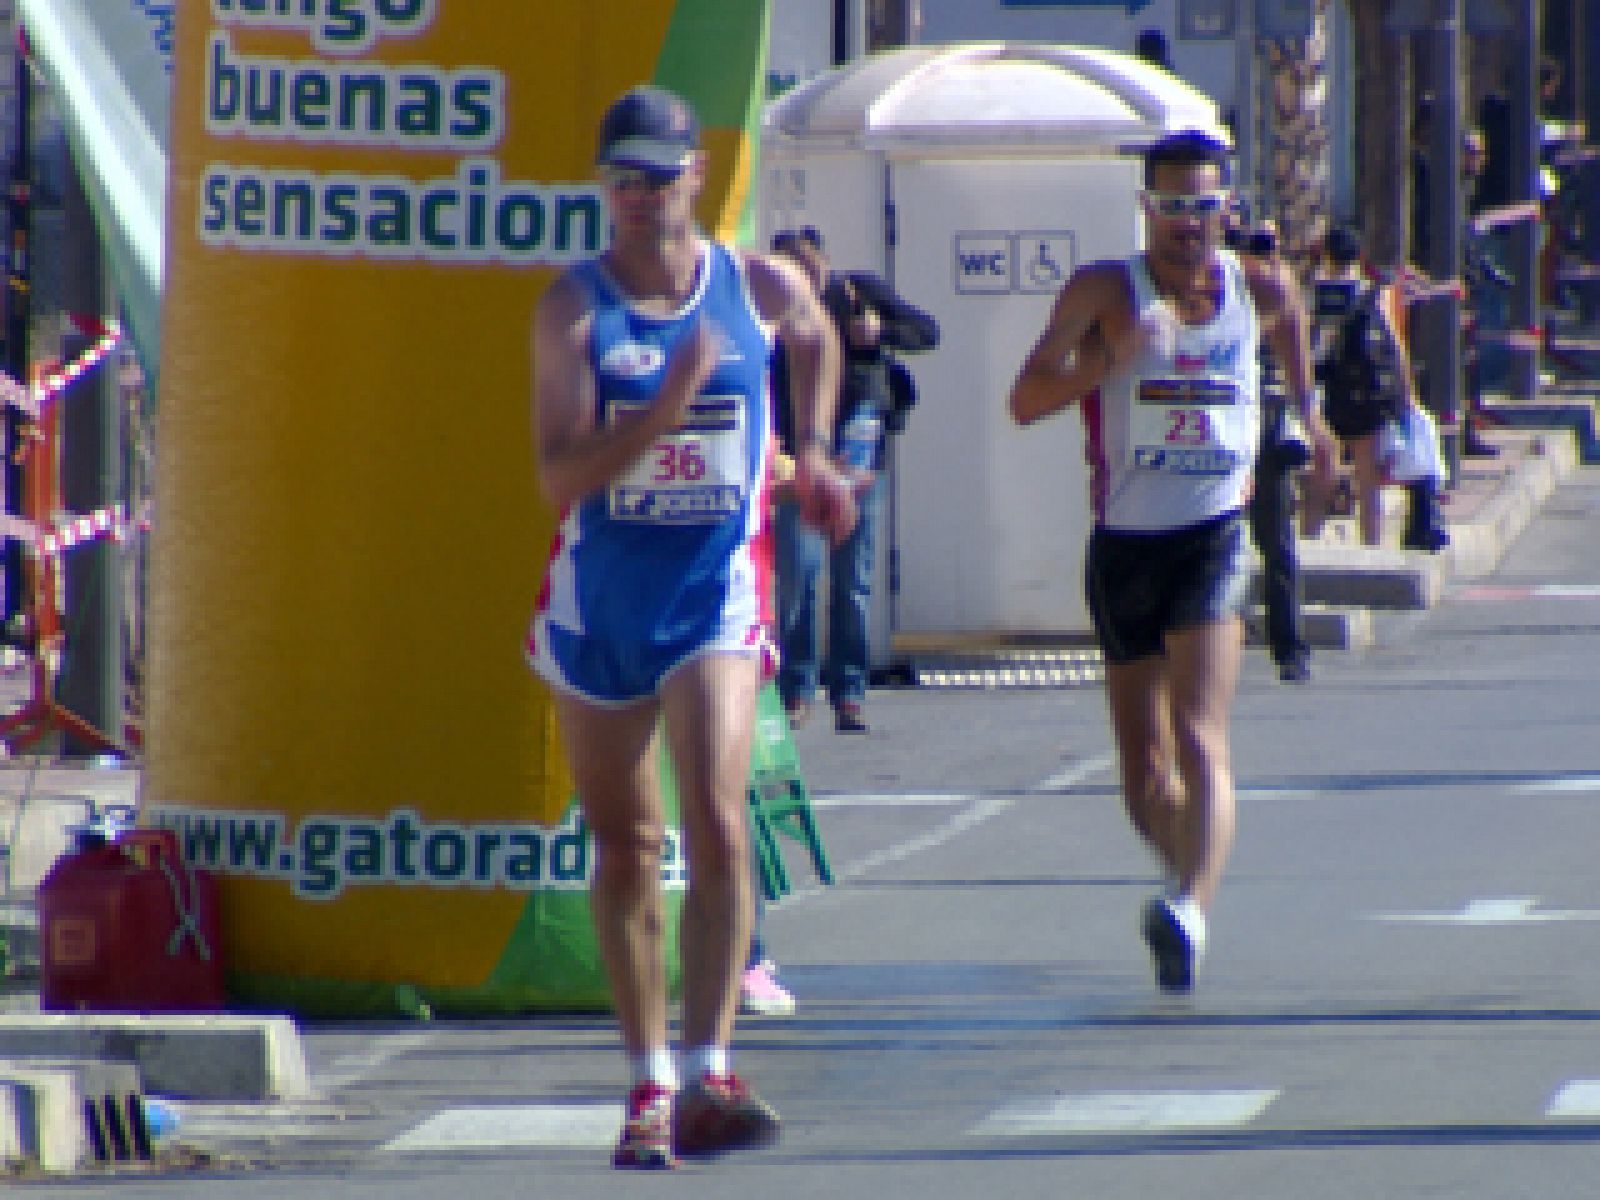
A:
[(128, 926)]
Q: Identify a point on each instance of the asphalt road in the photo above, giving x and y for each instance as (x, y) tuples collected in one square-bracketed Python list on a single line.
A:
[(1401, 997)]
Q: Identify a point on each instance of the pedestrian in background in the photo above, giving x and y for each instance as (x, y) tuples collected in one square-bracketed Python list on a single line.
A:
[(1162, 352), (872, 322), (1363, 369), (651, 436), (1272, 500)]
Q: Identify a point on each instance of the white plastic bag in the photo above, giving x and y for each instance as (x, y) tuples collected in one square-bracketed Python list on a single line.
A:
[(1408, 447)]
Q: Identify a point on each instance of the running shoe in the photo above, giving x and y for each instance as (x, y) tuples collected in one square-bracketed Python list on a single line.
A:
[(1175, 931), (718, 1113), (646, 1142), (761, 995), (1295, 669), (848, 717)]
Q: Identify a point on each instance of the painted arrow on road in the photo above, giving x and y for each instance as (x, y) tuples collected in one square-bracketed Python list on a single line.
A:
[(1498, 910)]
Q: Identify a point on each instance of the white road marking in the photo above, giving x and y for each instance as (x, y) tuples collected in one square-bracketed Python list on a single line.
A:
[(348, 1069), (198, 1121), (1572, 783), (1125, 1112), (1074, 774), (1499, 910), (1580, 1098), (1546, 591), (889, 800), (528, 1125), (981, 810), (1252, 793)]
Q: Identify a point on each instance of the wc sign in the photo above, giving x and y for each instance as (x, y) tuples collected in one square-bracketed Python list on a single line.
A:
[(1030, 262)]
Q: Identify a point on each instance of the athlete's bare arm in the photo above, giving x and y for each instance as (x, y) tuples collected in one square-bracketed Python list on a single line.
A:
[(785, 297), (577, 454), (1089, 319)]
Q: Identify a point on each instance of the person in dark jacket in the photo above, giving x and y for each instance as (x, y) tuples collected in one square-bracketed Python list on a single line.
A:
[(873, 322)]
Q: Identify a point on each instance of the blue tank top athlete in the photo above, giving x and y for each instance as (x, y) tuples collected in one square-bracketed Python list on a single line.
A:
[(657, 569)]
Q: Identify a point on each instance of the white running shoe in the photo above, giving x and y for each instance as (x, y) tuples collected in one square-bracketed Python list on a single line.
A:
[(1175, 930)]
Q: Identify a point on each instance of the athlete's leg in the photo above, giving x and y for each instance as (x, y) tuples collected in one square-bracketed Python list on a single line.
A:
[(1369, 487), (710, 706), (1140, 722), (614, 766), (1203, 674)]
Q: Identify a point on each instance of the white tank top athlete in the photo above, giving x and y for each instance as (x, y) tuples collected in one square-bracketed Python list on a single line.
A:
[(1173, 433)]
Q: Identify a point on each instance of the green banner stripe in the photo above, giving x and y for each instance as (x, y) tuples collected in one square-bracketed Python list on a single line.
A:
[(705, 38), (715, 55)]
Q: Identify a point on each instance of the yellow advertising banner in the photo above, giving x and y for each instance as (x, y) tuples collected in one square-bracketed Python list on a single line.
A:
[(366, 198)]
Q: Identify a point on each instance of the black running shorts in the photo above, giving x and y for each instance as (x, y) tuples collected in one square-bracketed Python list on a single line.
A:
[(1142, 586)]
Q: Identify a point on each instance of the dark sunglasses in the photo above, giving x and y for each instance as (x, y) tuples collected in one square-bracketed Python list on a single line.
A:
[(629, 179)]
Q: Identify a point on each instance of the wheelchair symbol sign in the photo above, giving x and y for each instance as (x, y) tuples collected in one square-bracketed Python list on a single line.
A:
[(1044, 260), (996, 263)]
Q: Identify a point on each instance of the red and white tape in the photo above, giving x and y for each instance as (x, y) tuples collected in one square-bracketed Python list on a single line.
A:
[(32, 400), (110, 522)]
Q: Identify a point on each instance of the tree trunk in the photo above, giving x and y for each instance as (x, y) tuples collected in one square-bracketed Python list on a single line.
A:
[(1383, 150), (1298, 139)]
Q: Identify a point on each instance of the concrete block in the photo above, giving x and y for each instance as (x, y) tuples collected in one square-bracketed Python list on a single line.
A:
[(1476, 547), (1337, 628), (1320, 626), (213, 1057), (1371, 577)]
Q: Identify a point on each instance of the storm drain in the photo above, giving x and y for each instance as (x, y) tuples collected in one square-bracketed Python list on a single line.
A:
[(1077, 667), (63, 1115)]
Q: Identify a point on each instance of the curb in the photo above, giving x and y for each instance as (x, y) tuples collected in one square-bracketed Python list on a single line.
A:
[(72, 1086), (254, 1060), (1477, 546)]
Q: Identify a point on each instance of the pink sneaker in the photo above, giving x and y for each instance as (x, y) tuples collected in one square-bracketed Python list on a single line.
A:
[(761, 995)]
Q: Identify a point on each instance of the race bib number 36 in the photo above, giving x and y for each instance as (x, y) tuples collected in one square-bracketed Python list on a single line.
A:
[(1193, 426), (694, 475)]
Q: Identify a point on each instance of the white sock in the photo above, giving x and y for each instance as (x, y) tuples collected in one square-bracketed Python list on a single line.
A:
[(705, 1060), (655, 1065), (1192, 919)]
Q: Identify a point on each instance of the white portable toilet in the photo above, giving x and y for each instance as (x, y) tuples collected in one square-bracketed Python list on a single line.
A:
[(975, 177)]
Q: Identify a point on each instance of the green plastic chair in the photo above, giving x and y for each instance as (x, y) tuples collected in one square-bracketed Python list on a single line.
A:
[(778, 800)]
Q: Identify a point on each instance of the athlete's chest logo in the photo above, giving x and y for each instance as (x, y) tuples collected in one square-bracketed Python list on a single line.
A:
[(632, 360), (1221, 356)]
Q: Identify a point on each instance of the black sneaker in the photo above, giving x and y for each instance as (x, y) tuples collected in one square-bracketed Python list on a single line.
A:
[(1296, 669), (848, 718)]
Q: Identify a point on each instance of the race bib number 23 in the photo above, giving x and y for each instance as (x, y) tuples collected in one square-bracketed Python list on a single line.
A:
[(1193, 426)]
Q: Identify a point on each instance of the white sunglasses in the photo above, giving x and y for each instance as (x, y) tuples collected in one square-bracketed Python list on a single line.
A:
[(1186, 204)]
